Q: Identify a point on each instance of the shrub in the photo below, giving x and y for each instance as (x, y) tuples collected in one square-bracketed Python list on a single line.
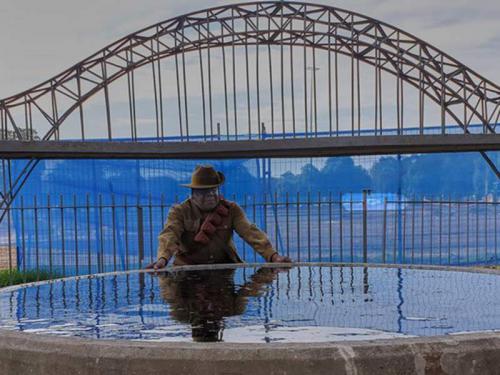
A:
[(14, 277)]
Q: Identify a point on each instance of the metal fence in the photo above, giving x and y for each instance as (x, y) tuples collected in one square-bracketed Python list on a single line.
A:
[(88, 234)]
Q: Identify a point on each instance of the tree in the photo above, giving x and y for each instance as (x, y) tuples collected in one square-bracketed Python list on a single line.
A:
[(287, 182), (385, 175), (310, 179), (341, 175)]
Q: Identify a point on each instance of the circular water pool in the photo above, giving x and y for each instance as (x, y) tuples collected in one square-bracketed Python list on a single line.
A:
[(258, 304), (254, 319)]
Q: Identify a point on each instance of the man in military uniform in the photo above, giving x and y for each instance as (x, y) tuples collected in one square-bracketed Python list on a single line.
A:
[(200, 229)]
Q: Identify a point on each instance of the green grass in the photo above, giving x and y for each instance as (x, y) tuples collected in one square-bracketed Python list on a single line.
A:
[(14, 277)]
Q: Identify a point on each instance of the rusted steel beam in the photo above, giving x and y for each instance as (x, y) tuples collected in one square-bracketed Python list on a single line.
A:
[(328, 146)]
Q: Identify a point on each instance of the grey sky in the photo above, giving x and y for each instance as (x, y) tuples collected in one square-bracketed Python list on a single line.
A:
[(41, 38)]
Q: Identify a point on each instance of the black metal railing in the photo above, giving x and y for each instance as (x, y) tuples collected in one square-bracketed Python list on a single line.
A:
[(89, 234)]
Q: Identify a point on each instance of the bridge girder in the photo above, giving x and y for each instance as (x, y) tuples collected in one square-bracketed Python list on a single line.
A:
[(299, 147)]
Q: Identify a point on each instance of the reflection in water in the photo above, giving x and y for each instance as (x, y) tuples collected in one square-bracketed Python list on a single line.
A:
[(204, 298), (258, 305)]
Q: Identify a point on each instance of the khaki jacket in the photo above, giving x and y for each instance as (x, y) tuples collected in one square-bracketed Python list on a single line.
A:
[(183, 223)]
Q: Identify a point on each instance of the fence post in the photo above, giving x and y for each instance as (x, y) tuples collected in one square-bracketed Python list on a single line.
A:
[(365, 221), (384, 231), (9, 241), (140, 234)]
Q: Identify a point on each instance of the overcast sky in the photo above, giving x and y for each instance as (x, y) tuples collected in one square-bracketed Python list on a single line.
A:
[(41, 38)]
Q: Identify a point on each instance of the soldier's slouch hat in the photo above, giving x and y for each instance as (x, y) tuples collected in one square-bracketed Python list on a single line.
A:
[(205, 177)]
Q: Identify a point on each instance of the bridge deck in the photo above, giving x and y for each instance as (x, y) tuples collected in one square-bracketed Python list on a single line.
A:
[(328, 146)]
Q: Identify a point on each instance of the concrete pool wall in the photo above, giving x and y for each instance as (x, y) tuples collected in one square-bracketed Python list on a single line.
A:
[(472, 353), (460, 354)]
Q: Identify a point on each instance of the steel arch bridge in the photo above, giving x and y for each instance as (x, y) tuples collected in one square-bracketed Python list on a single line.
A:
[(257, 79)]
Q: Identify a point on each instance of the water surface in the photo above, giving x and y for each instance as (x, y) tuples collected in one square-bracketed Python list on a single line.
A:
[(300, 304)]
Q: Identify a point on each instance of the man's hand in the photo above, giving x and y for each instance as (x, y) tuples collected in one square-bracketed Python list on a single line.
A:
[(160, 263), (276, 258)]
